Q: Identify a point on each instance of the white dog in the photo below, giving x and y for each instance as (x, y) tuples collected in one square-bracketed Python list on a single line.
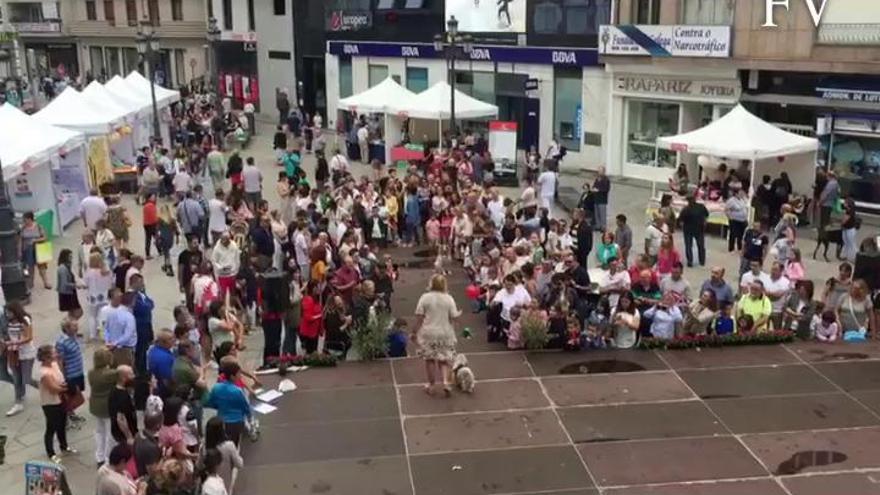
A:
[(464, 376)]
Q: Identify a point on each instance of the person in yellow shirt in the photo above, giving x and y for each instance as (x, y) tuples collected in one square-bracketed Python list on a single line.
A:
[(757, 305), (391, 205)]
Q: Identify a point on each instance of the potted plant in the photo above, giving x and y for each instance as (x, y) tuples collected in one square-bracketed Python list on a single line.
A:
[(370, 340), (533, 330)]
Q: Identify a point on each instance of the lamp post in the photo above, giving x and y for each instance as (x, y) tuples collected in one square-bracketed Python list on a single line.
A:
[(148, 47), (14, 287), (453, 45), (213, 36)]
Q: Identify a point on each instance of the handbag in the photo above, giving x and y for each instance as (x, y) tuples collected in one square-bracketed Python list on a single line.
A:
[(72, 400), (863, 329)]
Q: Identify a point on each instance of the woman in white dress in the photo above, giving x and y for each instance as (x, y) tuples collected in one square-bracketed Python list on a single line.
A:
[(435, 334)]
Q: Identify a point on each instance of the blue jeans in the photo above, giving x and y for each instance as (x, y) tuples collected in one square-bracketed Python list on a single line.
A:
[(600, 216), (22, 375), (411, 232)]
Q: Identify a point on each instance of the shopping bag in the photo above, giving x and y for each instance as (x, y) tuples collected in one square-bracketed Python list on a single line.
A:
[(44, 252)]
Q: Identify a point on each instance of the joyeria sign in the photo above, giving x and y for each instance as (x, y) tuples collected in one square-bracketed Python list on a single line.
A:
[(816, 10)]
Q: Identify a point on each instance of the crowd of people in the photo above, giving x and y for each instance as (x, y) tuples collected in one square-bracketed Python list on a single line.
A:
[(316, 267)]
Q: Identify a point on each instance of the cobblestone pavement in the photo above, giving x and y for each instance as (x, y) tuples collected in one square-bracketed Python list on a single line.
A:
[(24, 431)]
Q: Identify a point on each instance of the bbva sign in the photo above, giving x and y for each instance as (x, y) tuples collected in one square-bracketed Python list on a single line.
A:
[(815, 11)]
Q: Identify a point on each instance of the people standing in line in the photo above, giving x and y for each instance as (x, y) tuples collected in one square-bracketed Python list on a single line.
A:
[(102, 380), (120, 330), (68, 301), (737, 210), (91, 209), (32, 233), (693, 218), (755, 247), (189, 216), (143, 317), (849, 229), (226, 260), (20, 352), (547, 181), (601, 190), (624, 237), (70, 360), (151, 223), (112, 477), (217, 439), (98, 280), (52, 385), (363, 140), (120, 406)]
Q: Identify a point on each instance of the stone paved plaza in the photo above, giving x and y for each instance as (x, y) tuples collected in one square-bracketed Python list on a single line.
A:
[(665, 418)]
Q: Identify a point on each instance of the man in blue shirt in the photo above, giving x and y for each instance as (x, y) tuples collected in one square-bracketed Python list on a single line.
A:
[(717, 285), (143, 318), (120, 330), (160, 362), (70, 359), (230, 401)]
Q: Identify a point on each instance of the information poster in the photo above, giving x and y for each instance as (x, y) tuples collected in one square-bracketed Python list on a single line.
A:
[(70, 189), (45, 478)]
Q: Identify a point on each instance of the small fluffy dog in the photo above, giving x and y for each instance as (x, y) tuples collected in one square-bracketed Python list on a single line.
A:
[(464, 376)]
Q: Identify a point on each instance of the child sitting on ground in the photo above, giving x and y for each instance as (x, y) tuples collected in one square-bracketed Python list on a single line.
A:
[(825, 327), (397, 339), (514, 332), (597, 328), (745, 324), (573, 332)]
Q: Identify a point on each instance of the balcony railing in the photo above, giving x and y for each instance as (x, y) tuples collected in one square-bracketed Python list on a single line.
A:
[(848, 34), (44, 27)]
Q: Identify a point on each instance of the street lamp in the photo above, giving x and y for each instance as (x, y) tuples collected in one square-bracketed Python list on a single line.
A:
[(453, 45), (14, 287), (148, 47), (214, 38)]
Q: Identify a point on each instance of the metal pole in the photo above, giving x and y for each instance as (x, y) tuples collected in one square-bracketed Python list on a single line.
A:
[(14, 287), (215, 73), (157, 133), (453, 125)]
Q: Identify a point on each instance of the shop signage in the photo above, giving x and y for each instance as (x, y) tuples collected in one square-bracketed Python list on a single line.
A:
[(38, 27), (665, 41), (248, 37), (669, 86), (577, 57), (531, 84), (341, 20), (842, 94)]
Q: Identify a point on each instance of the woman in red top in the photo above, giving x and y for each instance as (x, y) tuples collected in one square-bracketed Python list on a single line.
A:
[(310, 325), (667, 256), (151, 223)]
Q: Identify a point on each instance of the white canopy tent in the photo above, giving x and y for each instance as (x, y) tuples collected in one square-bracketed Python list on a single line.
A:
[(123, 91), (740, 135), (379, 98), (107, 101), (44, 165), (164, 96), (71, 111), (434, 103), (123, 148)]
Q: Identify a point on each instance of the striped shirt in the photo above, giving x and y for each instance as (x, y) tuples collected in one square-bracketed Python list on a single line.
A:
[(71, 354)]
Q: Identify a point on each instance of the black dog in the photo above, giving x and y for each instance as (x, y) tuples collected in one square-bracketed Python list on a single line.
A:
[(826, 238)]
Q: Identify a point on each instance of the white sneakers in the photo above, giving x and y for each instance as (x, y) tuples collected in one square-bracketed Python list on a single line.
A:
[(17, 408)]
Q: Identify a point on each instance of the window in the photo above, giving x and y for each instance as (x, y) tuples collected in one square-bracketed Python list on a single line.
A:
[(91, 11), (646, 11), (646, 121), (176, 10), (711, 12), (385, 5), (131, 12), (279, 55), (130, 60), (252, 22), (377, 74), (227, 15), (280, 7), (25, 12), (345, 86), (153, 7), (96, 58), (180, 66), (416, 79), (575, 17), (112, 56), (567, 107), (414, 4), (109, 12)]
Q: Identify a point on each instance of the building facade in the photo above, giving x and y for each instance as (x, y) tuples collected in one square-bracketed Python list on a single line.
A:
[(540, 67), (45, 46), (105, 31)]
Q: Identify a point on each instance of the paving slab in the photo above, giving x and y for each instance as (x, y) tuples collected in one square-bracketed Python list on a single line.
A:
[(488, 396), (367, 476), (817, 451), (853, 375), (870, 398), (485, 367), (639, 421), (724, 357), (593, 362), (810, 412), (731, 383), (303, 406), (749, 487), (483, 431), (499, 471), (669, 461), (325, 441), (615, 388), (345, 375), (836, 484), (820, 352)]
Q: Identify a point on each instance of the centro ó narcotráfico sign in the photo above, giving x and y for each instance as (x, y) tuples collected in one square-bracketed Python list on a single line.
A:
[(665, 41)]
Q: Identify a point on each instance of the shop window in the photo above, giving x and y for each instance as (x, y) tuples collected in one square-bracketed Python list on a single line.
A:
[(646, 121), (113, 66), (130, 59), (708, 12), (416, 79), (345, 84), (180, 66), (176, 10), (567, 107), (96, 60), (581, 17), (91, 11), (131, 13), (646, 11), (377, 74)]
